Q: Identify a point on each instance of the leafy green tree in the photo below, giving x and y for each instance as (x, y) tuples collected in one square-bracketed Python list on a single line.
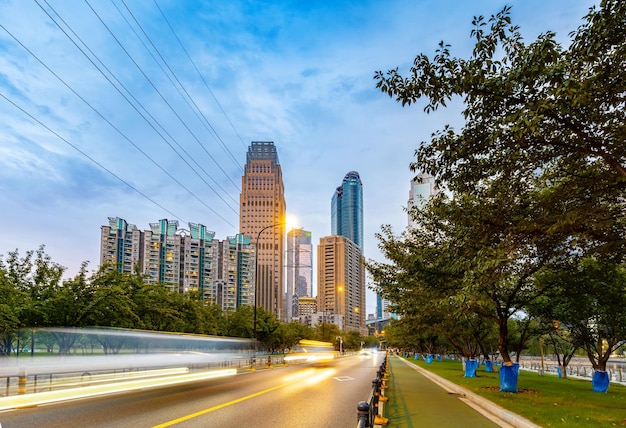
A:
[(240, 323), (352, 341), (289, 334), (11, 301), (589, 304), (326, 332), (526, 105), (536, 174), (23, 281)]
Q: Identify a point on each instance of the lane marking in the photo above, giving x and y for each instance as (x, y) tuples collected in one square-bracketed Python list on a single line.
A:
[(223, 405), (343, 378)]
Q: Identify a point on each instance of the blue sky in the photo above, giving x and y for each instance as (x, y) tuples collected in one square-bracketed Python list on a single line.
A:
[(299, 73)]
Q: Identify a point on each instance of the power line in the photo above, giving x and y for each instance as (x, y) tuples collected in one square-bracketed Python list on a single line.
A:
[(156, 89), (152, 125), (200, 74), (197, 109), (113, 126), (91, 159)]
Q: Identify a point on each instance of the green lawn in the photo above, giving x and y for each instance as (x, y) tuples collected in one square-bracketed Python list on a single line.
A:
[(545, 400)]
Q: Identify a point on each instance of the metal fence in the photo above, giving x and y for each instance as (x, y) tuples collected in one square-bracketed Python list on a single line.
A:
[(369, 413)]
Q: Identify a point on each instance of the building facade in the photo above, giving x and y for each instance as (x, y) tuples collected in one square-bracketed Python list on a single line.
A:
[(341, 281), (262, 217), (121, 245), (347, 209), (162, 254), (234, 284), (193, 260), (299, 270), (306, 306), (422, 189), (198, 260)]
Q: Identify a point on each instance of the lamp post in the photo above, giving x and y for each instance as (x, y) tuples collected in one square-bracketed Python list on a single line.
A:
[(256, 275)]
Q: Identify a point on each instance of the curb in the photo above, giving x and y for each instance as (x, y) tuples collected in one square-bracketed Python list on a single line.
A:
[(489, 407)]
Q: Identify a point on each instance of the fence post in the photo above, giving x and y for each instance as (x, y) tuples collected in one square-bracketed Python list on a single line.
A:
[(363, 413), (21, 383)]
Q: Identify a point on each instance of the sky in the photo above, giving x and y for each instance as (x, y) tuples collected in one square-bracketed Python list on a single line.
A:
[(144, 109)]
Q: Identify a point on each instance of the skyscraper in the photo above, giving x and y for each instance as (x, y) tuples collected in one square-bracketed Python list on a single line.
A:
[(299, 269), (347, 209), (341, 281), (262, 217)]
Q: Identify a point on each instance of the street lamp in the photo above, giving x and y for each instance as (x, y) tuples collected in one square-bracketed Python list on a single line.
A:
[(256, 274)]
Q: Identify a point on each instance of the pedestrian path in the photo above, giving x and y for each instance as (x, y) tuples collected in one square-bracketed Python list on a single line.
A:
[(417, 401)]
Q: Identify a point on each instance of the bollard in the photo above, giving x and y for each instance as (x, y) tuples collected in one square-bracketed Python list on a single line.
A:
[(21, 384), (376, 394), (363, 414)]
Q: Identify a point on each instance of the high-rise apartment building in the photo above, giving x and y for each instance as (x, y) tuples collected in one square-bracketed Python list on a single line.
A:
[(347, 209), (422, 189), (341, 281), (121, 245), (234, 284), (199, 259), (262, 217), (162, 254), (184, 260), (299, 270)]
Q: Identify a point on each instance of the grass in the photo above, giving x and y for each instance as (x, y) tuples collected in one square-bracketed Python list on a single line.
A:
[(545, 400)]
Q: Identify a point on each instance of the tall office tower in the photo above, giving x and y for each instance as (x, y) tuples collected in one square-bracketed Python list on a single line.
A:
[(299, 269), (262, 217), (234, 285), (121, 245), (347, 209), (162, 254), (422, 189), (341, 281), (199, 259)]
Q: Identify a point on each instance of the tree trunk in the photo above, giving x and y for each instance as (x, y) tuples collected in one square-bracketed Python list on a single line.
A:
[(503, 336)]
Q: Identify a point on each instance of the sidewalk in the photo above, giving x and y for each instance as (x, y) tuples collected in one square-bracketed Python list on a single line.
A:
[(418, 398)]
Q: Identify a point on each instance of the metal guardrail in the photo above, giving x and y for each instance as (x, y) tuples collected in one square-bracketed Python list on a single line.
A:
[(368, 412)]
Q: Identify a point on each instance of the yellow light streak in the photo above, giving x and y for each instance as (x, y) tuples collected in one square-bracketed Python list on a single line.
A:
[(229, 403), (29, 400), (88, 378)]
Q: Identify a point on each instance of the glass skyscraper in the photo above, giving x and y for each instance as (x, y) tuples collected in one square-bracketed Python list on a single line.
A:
[(299, 270), (347, 209)]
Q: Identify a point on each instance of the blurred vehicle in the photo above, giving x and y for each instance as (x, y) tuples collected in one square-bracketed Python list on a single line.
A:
[(312, 351)]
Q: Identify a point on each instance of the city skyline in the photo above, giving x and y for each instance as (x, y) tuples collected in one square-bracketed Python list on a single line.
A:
[(104, 117)]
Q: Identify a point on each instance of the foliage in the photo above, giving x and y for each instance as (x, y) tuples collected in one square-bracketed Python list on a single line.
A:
[(534, 179), (588, 302)]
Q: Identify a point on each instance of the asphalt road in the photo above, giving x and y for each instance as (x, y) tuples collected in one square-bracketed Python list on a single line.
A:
[(293, 396)]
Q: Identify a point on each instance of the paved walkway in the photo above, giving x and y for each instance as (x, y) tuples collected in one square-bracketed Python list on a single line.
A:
[(419, 401)]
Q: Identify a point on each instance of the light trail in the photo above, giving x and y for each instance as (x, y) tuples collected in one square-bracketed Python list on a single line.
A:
[(29, 400), (290, 380)]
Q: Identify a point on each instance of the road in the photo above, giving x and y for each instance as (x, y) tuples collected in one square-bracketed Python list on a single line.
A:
[(292, 396)]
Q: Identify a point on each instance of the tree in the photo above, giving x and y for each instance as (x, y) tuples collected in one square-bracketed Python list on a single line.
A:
[(589, 303), (538, 103), (22, 284), (536, 174), (538, 109)]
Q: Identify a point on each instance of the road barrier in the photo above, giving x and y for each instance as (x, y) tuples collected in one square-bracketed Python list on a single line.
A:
[(369, 413)]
